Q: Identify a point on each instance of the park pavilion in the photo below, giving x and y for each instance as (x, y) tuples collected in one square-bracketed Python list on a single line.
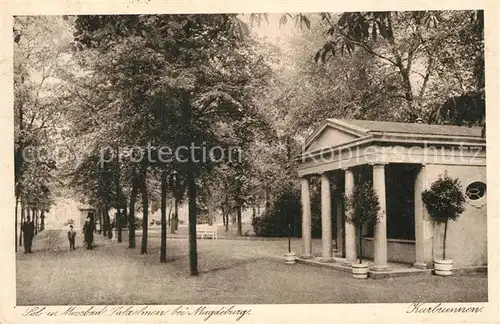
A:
[(401, 160)]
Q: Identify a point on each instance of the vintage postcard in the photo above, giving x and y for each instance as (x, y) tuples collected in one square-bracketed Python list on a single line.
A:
[(249, 162)]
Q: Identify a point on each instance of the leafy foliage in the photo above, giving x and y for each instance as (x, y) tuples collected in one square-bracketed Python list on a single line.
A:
[(414, 63), (40, 44), (445, 199), (362, 205), (362, 209), (168, 80), (287, 210)]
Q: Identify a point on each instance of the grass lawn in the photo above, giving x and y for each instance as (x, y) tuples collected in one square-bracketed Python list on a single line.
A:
[(231, 271)]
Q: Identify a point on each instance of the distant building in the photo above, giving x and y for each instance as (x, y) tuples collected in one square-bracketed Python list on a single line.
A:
[(64, 212)]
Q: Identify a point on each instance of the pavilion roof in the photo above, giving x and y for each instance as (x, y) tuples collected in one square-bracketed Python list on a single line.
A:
[(370, 126)]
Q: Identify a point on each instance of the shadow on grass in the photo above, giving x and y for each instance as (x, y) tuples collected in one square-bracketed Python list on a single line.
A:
[(61, 250), (234, 265)]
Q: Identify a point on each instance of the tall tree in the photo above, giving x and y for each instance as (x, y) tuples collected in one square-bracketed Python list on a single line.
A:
[(419, 59), (40, 43), (209, 68)]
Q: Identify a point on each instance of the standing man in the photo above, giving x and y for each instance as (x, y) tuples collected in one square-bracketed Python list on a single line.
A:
[(28, 229), (71, 237), (88, 232)]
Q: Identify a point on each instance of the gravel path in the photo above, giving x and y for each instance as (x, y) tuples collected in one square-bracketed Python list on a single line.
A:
[(242, 271)]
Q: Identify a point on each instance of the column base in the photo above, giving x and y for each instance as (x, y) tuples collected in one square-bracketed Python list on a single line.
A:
[(325, 260), (420, 265), (306, 256), (381, 268), (348, 263)]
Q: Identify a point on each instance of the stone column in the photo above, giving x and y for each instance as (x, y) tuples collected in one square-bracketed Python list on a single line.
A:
[(423, 225), (350, 229), (306, 218), (380, 240), (340, 233), (326, 219)]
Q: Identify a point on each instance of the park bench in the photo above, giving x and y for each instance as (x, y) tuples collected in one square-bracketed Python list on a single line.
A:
[(206, 232)]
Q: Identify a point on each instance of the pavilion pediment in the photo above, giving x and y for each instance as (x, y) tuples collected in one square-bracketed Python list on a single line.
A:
[(331, 135)]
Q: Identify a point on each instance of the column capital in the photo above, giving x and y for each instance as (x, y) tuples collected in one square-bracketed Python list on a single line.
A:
[(378, 164), (308, 176)]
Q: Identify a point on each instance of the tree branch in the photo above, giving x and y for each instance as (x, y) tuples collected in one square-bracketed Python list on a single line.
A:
[(426, 77), (367, 48)]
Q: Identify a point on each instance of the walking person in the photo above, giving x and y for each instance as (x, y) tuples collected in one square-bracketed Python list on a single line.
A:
[(28, 229), (71, 237), (88, 232)]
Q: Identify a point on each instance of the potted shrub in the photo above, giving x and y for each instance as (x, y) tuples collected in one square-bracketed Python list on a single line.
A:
[(444, 201), (362, 209)]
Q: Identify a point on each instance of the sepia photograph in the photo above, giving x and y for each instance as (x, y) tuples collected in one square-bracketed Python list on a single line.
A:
[(254, 158)]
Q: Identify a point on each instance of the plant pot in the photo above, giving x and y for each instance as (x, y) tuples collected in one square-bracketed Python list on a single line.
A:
[(290, 258), (359, 270), (443, 267)]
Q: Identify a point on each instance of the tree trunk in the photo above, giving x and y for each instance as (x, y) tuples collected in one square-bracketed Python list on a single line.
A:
[(131, 216), (360, 245), (193, 254), (238, 212), (118, 225), (444, 239), (145, 211), (227, 222), (169, 214), (411, 115), (169, 219), (104, 224), (99, 212), (124, 220), (176, 215), (210, 211), (15, 224), (109, 230), (118, 202), (42, 220), (191, 184), (35, 220), (223, 217), (172, 219), (17, 175), (163, 207), (268, 203), (23, 217), (253, 213)]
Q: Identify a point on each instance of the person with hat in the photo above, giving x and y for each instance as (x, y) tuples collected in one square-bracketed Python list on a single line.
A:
[(88, 232), (71, 237), (28, 229)]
